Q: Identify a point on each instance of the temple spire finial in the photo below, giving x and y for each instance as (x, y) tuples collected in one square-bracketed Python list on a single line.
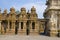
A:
[(33, 8), (5, 10), (12, 9)]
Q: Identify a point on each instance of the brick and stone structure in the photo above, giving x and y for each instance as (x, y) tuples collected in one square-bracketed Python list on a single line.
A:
[(22, 23), (28, 23)]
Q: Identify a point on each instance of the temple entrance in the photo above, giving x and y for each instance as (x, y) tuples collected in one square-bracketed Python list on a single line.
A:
[(27, 29), (33, 25)]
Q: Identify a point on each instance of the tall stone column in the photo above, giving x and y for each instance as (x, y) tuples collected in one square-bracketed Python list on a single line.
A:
[(19, 25), (8, 28), (24, 25), (36, 30), (13, 28), (0, 27), (31, 28), (30, 25), (13, 25), (36, 26)]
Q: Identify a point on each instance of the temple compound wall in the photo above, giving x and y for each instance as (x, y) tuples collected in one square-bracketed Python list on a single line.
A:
[(28, 23), (22, 23)]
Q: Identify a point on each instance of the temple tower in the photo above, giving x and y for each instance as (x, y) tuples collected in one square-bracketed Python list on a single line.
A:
[(34, 23), (12, 21), (4, 22), (51, 13), (22, 21)]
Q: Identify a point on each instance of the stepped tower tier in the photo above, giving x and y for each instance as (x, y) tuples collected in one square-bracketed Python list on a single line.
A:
[(12, 10), (11, 19), (5, 11), (33, 14), (23, 14), (33, 9)]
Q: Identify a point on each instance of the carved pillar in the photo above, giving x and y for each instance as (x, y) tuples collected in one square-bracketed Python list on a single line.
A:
[(0, 27), (19, 25), (36, 26), (36, 30), (31, 25), (13, 25), (24, 25)]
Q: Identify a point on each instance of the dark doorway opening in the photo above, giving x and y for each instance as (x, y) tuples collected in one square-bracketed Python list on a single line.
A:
[(33, 25), (10, 25), (21, 25)]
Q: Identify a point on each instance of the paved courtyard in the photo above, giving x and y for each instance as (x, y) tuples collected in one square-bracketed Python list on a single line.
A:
[(21, 37)]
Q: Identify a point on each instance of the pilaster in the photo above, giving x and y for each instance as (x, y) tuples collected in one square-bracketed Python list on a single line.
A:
[(19, 25), (30, 25), (24, 25), (13, 25)]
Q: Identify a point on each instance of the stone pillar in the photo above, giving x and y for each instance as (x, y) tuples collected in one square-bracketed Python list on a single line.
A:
[(24, 25), (0, 27), (30, 25), (24, 28), (35, 25), (13, 28), (36, 28), (8, 28), (19, 25), (13, 25)]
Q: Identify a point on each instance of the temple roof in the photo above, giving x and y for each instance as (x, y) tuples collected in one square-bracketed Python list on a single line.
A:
[(23, 9)]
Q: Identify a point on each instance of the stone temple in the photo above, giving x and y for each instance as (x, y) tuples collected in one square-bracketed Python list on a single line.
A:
[(28, 23)]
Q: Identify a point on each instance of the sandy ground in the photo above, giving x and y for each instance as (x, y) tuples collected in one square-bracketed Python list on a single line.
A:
[(25, 37)]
